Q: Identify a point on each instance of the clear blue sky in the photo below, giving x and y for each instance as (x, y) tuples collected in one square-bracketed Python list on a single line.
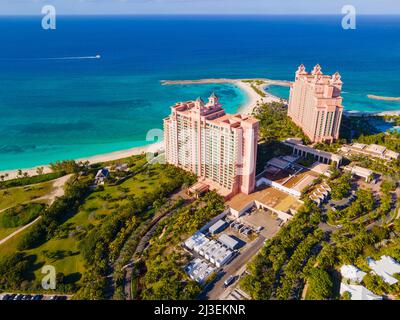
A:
[(23, 7)]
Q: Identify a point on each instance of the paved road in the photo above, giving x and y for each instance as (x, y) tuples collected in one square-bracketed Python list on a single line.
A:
[(215, 290)]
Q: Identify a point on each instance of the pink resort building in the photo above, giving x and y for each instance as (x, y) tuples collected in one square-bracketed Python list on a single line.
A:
[(221, 149), (315, 104)]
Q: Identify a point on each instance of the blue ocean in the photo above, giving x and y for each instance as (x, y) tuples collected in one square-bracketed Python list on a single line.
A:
[(58, 101)]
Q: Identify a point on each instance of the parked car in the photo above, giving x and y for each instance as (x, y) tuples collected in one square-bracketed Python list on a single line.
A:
[(229, 281), (37, 297)]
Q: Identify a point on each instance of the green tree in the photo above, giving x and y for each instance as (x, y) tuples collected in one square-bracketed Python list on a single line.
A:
[(320, 285)]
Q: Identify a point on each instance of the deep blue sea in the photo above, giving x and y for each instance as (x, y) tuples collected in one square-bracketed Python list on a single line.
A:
[(54, 106)]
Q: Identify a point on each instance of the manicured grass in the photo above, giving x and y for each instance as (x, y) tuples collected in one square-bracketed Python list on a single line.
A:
[(11, 245), (70, 261), (102, 203), (14, 196), (5, 232), (70, 264)]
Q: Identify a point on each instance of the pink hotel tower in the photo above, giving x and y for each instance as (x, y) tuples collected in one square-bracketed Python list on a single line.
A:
[(221, 149), (315, 104)]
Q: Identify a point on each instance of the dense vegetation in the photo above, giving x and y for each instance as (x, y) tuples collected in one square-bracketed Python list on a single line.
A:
[(340, 187), (279, 270), (75, 191), (320, 285), (164, 259), (275, 125), (363, 205), (103, 242), (352, 127), (390, 139), (13, 269), (67, 166)]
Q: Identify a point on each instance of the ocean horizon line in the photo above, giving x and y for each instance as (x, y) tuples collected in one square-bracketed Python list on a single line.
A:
[(200, 15)]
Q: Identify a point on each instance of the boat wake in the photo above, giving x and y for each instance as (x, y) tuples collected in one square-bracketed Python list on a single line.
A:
[(55, 58)]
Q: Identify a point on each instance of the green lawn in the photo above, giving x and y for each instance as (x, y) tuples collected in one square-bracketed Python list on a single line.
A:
[(13, 196), (4, 232), (102, 203), (69, 262)]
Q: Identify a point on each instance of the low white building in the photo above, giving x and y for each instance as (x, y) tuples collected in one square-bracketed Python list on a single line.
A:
[(365, 173), (218, 227), (195, 240), (358, 292), (386, 267), (213, 251), (228, 241), (202, 251), (352, 273), (199, 270)]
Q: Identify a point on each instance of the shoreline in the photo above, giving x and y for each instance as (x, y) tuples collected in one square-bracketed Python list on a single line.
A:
[(350, 113), (253, 97), (249, 86), (112, 156), (245, 84)]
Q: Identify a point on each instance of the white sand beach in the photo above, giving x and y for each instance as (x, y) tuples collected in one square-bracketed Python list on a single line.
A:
[(254, 97), (155, 147), (245, 85)]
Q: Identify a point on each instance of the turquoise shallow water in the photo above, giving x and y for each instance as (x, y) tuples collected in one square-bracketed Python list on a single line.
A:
[(54, 106), (97, 123)]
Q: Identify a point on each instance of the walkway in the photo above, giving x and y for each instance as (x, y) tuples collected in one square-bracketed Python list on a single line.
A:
[(58, 191)]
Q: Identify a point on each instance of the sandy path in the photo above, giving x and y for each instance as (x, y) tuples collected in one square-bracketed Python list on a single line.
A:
[(58, 191), (19, 230)]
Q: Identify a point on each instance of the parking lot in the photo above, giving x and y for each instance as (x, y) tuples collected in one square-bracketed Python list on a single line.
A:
[(266, 222), (31, 297)]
